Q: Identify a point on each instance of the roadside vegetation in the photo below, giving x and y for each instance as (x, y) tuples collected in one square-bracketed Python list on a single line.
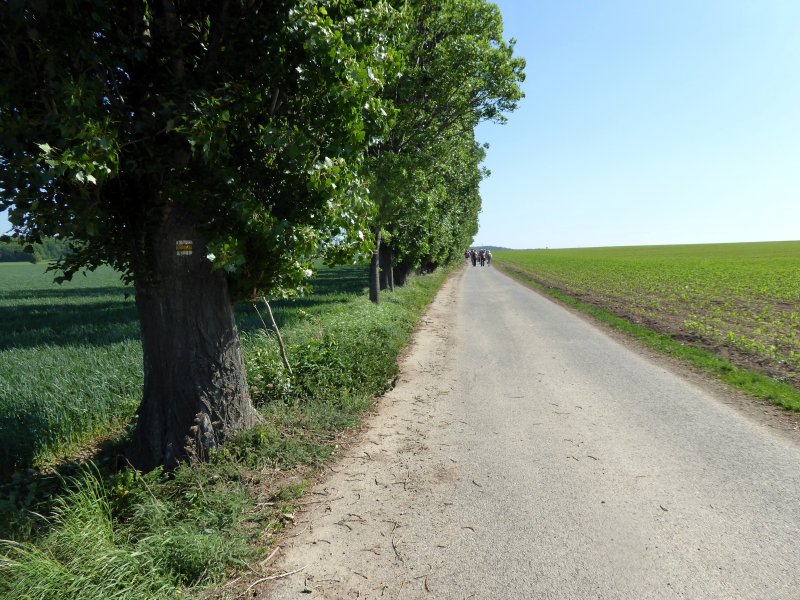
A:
[(84, 529), (730, 309)]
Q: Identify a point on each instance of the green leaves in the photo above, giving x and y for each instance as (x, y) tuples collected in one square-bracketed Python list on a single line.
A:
[(257, 120), (254, 118), (457, 71)]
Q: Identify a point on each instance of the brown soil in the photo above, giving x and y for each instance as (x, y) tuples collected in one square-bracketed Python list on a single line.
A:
[(783, 421), (672, 326)]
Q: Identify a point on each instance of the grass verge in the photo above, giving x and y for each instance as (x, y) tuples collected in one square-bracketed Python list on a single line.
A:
[(103, 534), (752, 383)]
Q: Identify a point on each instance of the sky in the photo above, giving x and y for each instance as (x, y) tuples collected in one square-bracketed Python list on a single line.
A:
[(648, 122)]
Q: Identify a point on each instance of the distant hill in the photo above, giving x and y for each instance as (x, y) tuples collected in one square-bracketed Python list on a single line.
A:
[(493, 248)]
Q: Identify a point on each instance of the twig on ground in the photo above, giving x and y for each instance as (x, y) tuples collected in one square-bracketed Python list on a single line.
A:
[(270, 557), (272, 577), (321, 501), (396, 552)]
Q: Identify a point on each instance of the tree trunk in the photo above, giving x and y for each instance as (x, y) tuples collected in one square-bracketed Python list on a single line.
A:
[(195, 393), (374, 270), (390, 268), (400, 274), (387, 277)]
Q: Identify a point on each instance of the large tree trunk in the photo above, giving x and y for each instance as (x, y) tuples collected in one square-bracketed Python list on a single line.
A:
[(195, 393), (374, 270)]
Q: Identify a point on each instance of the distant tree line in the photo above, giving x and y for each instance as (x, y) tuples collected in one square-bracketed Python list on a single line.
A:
[(212, 150), (48, 249)]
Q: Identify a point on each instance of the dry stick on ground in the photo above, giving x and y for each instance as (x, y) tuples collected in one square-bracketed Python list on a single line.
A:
[(271, 577), (277, 331)]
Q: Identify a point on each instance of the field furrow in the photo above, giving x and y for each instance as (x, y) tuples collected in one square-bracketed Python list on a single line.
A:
[(740, 300)]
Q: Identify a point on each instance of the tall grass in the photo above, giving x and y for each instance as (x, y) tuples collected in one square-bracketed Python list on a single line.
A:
[(70, 361), (82, 555)]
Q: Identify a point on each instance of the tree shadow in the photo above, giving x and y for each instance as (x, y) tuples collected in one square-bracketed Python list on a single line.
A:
[(27, 492), (107, 315), (352, 279), (59, 292), (56, 324)]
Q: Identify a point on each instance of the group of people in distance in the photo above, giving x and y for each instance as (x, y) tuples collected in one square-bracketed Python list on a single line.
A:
[(478, 256)]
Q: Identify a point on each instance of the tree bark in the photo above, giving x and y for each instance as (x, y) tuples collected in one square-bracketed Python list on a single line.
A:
[(400, 274), (195, 393), (390, 268), (387, 277), (374, 270), (387, 273)]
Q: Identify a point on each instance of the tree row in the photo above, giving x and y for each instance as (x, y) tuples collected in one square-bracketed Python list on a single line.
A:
[(212, 151)]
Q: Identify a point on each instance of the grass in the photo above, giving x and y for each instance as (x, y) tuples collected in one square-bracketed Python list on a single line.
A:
[(109, 534), (71, 356), (70, 362), (523, 266)]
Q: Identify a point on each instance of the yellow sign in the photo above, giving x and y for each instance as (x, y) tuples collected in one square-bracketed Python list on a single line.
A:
[(183, 247)]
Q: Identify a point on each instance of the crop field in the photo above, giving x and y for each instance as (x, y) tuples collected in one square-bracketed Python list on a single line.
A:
[(70, 360), (741, 300), (71, 356)]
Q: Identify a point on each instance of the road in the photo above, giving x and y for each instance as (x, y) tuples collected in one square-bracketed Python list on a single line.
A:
[(525, 454)]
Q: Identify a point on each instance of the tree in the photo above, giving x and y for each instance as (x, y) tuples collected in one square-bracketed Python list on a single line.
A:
[(458, 71), (434, 201), (48, 249), (207, 150), (12, 250)]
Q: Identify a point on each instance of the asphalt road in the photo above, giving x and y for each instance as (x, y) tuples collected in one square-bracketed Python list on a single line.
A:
[(527, 454)]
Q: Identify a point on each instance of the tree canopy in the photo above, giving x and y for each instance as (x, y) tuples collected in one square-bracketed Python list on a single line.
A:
[(458, 71), (251, 116), (211, 150)]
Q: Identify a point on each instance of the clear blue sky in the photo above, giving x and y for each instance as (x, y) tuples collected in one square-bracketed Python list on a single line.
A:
[(648, 122)]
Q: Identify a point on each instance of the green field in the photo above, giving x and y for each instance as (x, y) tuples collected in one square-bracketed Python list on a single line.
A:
[(70, 360), (740, 300), (71, 357)]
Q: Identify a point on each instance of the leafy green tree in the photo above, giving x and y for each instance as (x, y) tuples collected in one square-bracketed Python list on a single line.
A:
[(458, 71), (435, 203), (206, 149), (52, 248), (12, 250), (49, 248)]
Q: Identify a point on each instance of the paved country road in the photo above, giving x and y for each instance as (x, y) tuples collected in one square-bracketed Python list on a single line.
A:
[(524, 453)]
